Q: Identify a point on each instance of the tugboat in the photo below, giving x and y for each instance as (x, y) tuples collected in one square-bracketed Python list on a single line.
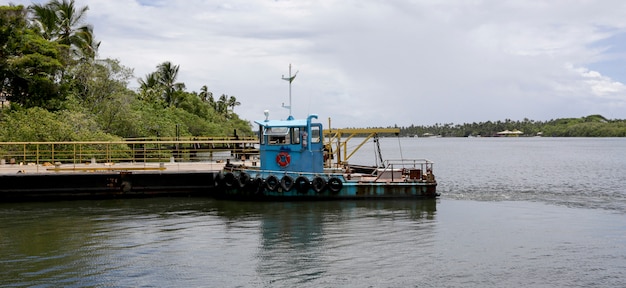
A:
[(295, 164)]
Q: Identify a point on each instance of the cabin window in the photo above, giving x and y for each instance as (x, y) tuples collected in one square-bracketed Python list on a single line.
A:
[(295, 135), (277, 135), (283, 135), (316, 136), (261, 136)]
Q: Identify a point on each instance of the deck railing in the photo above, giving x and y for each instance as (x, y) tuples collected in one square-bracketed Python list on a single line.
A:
[(129, 150), (416, 169)]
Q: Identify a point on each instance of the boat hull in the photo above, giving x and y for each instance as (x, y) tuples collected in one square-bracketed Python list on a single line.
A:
[(255, 185)]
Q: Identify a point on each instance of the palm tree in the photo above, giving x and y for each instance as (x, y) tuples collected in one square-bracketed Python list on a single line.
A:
[(60, 21), (232, 102), (149, 83), (222, 105), (167, 74), (44, 20), (205, 95), (69, 19), (88, 46), (204, 92)]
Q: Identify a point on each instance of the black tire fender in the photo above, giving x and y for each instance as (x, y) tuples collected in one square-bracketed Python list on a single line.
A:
[(318, 184), (229, 180), (302, 184), (335, 184), (272, 183), (286, 183)]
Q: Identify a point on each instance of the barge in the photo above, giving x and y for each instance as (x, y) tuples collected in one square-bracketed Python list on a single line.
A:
[(99, 182)]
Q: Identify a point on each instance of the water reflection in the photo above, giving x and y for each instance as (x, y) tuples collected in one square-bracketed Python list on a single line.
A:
[(233, 210), (297, 238), (157, 242)]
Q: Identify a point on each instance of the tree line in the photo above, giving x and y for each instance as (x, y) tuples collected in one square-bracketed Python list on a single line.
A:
[(55, 87), (589, 126)]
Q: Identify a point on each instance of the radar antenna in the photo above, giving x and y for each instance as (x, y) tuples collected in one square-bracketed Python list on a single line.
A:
[(290, 79)]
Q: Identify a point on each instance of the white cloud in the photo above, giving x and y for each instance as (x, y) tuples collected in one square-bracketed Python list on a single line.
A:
[(601, 86), (379, 63)]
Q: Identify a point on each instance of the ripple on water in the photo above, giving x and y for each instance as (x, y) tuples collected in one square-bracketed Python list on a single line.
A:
[(202, 242)]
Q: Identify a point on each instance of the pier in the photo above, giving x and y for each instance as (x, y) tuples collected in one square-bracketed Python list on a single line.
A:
[(39, 171), (135, 150)]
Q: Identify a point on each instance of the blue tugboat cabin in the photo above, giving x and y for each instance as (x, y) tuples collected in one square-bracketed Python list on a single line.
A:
[(294, 145)]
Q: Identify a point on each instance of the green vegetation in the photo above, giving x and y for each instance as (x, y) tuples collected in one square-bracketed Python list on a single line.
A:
[(54, 88), (590, 126)]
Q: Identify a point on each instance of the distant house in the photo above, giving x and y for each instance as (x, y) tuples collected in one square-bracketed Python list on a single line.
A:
[(507, 133)]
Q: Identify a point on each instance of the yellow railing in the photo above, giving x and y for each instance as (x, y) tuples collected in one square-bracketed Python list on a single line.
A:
[(195, 138), (164, 149), (337, 140), (131, 150)]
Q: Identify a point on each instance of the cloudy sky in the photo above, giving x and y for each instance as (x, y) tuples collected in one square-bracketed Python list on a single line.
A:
[(381, 63)]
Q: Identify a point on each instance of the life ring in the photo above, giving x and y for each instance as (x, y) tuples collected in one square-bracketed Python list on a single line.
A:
[(286, 183), (229, 180), (334, 184), (272, 183), (302, 184), (283, 159), (318, 184)]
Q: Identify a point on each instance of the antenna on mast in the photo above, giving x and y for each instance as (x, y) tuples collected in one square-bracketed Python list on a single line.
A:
[(290, 79)]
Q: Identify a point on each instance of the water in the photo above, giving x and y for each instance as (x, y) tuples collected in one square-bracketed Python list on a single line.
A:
[(576, 172), (527, 212)]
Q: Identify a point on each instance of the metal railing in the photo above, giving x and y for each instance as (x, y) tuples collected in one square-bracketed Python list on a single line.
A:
[(416, 169), (131, 150)]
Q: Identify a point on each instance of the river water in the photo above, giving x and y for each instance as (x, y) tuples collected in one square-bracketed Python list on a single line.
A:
[(523, 212)]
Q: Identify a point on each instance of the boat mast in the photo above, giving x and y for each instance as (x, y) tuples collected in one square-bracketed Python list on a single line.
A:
[(290, 79)]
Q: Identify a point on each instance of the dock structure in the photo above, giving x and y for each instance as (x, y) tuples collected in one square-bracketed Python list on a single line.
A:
[(34, 182), (144, 150), (37, 171)]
